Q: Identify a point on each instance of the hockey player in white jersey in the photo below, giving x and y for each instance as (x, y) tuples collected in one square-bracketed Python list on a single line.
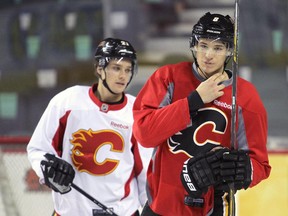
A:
[(85, 138)]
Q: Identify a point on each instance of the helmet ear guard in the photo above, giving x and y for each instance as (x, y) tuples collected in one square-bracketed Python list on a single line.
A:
[(102, 62)]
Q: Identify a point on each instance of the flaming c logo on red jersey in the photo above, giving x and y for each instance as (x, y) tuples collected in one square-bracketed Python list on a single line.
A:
[(87, 145), (206, 131)]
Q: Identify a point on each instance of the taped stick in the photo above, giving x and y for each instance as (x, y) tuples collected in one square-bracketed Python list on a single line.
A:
[(105, 208), (234, 103)]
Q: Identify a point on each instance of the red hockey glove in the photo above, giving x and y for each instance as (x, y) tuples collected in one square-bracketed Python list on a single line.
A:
[(58, 174)]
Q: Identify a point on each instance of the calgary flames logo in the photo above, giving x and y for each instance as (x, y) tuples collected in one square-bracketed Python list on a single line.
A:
[(86, 146), (206, 132)]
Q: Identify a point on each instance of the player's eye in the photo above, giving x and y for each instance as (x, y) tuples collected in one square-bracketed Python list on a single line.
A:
[(203, 46), (116, 68), (128, 70)]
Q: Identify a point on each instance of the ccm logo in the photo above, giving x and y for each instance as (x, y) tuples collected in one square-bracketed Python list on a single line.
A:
[(187, 178)]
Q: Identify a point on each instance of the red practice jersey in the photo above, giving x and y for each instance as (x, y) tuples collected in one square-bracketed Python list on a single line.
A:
[(176, 137)]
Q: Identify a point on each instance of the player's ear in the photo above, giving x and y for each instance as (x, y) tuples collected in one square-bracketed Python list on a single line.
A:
[(98, 71)]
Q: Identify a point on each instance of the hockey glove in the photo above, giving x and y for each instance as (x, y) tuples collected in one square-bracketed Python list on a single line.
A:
[(58, 174), (202, 171), (236, 167)]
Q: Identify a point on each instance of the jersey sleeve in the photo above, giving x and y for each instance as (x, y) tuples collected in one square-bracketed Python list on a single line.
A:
[(142, 158), (154, 121), (254, 134), (46, 137)]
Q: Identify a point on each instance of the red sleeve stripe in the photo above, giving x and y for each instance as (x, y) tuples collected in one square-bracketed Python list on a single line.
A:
[(57, 141)]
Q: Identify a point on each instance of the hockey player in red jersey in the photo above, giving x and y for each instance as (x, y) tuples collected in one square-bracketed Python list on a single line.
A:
[(85, 137), (184, 113)]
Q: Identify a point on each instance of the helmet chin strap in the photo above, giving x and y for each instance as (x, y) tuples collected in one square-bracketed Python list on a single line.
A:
[(203, 72), (106, 86), (197, 65), (105, 83)]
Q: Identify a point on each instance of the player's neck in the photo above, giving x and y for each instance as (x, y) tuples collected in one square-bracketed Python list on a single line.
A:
[(207, 75), (104, 95)]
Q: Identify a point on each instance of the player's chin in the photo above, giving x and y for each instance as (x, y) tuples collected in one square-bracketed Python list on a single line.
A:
[(119, 89), (210, 67), (211, 70)]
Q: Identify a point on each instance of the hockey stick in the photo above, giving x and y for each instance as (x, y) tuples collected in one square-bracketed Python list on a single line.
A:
[(105, 208), (234, 103)]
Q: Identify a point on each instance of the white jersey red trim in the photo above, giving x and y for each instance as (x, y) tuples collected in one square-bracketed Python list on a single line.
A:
[(97, 139)]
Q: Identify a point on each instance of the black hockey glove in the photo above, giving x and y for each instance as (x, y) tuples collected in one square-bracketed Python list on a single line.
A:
[(236, 167), (58, 174), (202, 171)]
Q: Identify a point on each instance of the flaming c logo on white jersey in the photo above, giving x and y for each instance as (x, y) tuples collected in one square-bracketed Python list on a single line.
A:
[(86, 146)]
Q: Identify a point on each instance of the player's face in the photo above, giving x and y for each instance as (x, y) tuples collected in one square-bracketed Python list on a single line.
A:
[(118, 74), (211, 55)]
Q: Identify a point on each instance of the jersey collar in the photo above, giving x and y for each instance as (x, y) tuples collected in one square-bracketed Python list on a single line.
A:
[(103, 106), (200, 78)]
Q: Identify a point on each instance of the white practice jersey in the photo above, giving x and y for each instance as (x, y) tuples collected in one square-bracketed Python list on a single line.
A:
[(96, 139)]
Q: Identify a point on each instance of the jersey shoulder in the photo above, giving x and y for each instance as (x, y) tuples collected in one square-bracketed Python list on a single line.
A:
[(130, 99), (172, 72), (248, 94), (75, 93), (180, 66), (247, 87)]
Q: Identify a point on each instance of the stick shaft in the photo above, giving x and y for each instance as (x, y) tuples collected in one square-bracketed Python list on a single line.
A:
[(93, 200), (234, 102), (234, 78)]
